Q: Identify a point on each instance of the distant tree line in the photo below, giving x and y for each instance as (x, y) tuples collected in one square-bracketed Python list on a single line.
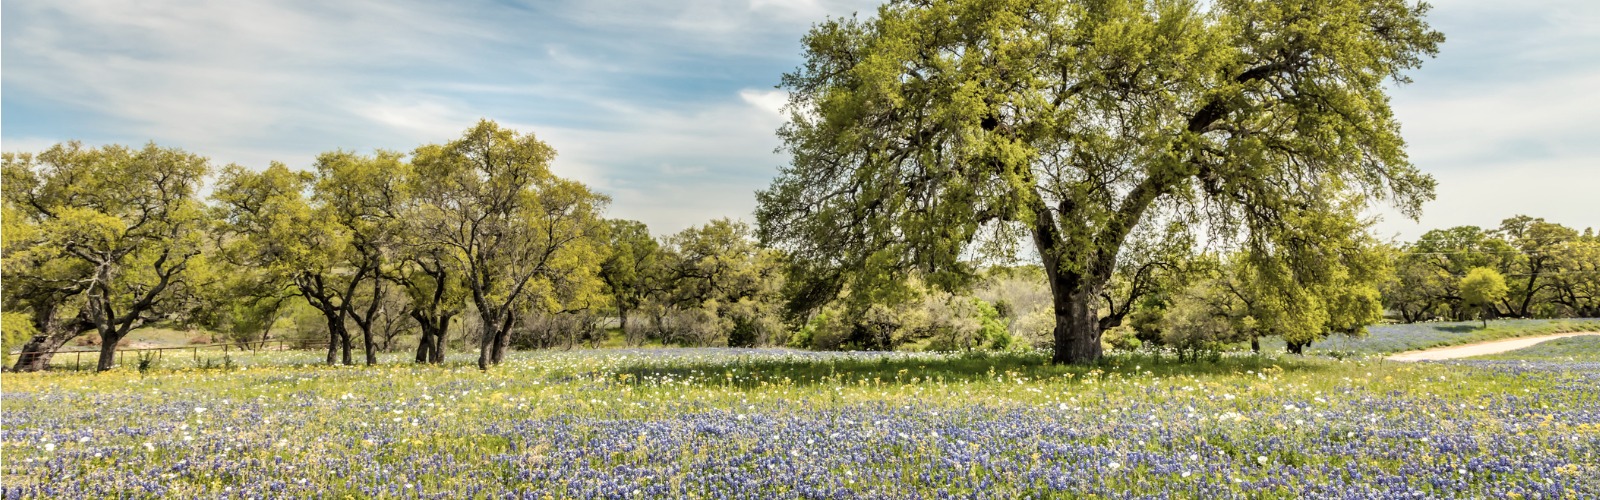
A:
[(1526, 268), (474, 236)]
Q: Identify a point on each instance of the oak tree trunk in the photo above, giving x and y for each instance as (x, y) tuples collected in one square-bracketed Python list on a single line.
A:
[(108, 349), (1077, 331), (366, 343)]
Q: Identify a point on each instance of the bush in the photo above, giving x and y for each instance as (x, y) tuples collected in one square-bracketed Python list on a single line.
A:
[(699, 326), (16, 329), (567, 329), (1121, 338), (754, 323), (1193, 329), (1036, 329)]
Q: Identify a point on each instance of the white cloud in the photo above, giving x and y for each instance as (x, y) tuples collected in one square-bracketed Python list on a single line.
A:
[(667, 106), (1477, 126), (1560, 190), (771, 101)]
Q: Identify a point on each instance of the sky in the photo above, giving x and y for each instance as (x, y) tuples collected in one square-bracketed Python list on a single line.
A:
[(670, 107)]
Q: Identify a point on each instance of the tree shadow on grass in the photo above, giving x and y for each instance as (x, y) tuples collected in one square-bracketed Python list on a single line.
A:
[(900, 369)]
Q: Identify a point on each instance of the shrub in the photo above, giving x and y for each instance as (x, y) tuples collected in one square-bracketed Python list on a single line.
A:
[(1121, 337)]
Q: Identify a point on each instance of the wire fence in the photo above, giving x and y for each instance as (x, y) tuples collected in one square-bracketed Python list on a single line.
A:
[(158, 353)]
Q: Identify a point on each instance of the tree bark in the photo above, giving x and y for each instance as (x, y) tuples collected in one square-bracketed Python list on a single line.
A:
[(502, 343), (338, 340), (425, 346), (1296, 348), (108, 348), (1077, 331), (622, 323), (438, 342), (430, 348), (333, 345), (366, 343), (36, 354), (486, 342), (344, 336)]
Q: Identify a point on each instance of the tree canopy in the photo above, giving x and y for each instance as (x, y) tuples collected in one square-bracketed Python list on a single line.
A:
[(916, 133), (124, 224)]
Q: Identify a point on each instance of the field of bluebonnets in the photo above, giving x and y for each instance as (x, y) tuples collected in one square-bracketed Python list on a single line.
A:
[(722, 423), (1385, 339)]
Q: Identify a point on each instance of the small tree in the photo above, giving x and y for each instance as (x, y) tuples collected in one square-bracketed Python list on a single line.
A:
[(1482, 288), (523, 237), (631, 272)]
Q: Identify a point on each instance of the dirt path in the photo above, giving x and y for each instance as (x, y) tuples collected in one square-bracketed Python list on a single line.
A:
[(1479, 349)]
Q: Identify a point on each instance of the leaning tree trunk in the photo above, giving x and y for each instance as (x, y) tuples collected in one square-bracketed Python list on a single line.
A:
[(1077, 331), (35, 355), (53, 333)]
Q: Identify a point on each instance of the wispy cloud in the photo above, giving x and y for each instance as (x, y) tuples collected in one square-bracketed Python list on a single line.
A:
[(1504, 117), (669, 106)]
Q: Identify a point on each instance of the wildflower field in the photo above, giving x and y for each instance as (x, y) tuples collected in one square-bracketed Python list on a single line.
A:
[(723, 423), (1388, 339)]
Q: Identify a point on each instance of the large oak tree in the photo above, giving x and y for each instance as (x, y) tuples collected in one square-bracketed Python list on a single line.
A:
[(1075, 122), (122, 227)]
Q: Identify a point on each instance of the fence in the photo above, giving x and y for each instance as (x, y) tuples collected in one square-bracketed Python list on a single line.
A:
[(122, 354)]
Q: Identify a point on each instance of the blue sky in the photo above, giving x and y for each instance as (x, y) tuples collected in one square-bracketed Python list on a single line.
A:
[(669, 107)]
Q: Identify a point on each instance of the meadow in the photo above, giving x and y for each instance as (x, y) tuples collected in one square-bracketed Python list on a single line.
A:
[(725, 423), (1393, 338)]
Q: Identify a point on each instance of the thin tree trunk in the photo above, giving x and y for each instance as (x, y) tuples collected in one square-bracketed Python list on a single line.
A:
[(344, 337), (333, 348), (485, 343), (333, 343), (622, 323), (438, 341), (366, 343), (108, 349)]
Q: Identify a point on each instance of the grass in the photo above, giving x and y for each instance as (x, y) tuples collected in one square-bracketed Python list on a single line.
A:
[(774, 423), (1569, 349), (1389, 339)]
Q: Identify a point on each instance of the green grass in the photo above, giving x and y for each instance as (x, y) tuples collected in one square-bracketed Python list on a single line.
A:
[(167, 337), (1569, 349), (1389, 339)]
